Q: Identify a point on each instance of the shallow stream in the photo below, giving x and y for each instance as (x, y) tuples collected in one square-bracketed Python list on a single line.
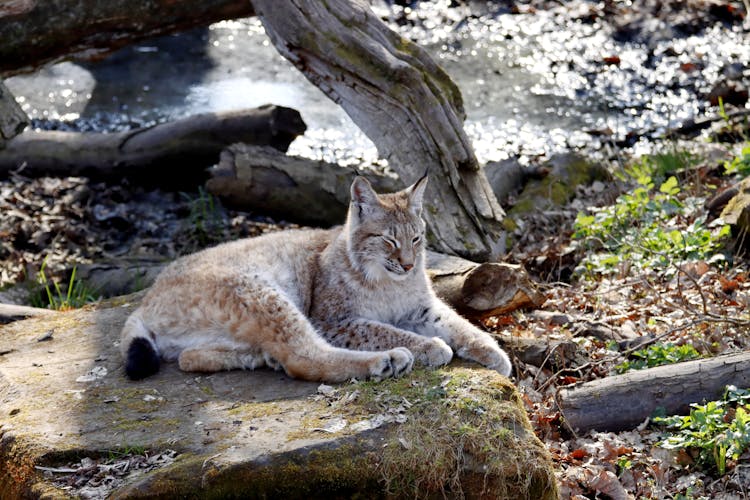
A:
[(533, 82)]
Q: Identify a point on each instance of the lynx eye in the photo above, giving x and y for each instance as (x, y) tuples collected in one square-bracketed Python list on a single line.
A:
[(393, 243), (416, 240)]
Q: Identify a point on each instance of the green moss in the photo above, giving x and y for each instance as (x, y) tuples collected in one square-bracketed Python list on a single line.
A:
[(346, 471), (509, 224), (558, 188), (473, 419)]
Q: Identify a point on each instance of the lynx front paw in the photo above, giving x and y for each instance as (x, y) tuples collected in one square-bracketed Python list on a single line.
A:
[(393, 363), (434, 352)]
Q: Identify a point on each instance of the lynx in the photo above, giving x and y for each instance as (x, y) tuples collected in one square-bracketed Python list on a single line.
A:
[(327, 305)]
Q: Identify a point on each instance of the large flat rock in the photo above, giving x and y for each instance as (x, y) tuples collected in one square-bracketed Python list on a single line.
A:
[(71, 424)]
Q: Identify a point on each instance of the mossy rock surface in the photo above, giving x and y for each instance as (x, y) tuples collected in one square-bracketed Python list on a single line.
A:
[(461, 431), (566, 172)]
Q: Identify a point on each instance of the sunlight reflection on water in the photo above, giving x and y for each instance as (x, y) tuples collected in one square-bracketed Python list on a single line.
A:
[(530, 88)]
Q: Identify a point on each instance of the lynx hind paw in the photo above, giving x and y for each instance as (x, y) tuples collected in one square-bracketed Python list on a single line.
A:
[(496, 359), (393, 363), (490, 355), (435, 353), (503, 366)]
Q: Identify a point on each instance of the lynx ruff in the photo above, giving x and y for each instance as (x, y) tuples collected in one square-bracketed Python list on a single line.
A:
[(330, 305)]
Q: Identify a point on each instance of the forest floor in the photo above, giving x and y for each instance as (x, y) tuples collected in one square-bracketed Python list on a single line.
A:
[(651, 298), (647, 263), (639, 273)]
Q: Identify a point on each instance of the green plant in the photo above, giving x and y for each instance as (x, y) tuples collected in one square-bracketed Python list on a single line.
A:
[(205, 220), (658, 165), (125, 451), (641, 229), (75, 295), (740, 164), (657, 355), (718, 431)]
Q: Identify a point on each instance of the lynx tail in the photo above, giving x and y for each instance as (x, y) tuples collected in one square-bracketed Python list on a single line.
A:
[(142, 359)]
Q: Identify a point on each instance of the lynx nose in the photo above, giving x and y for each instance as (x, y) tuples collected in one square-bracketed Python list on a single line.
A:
[(407, 267)]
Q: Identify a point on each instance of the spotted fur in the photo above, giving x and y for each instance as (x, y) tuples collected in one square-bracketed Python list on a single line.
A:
[(349, 302)]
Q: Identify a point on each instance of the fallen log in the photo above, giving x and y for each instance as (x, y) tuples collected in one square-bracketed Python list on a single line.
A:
[(481, 290), (623, 401), (250, 177), (182, 150), (13, 312), (12, 118), (296, 189), (34, 33)]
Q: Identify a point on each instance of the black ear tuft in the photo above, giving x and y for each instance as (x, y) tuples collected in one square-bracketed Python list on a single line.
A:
[(143, 360)]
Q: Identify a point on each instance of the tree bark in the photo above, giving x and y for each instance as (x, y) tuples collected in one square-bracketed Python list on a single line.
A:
[(478, 291), (403, 101), (263, 179), (296, 189), (35, 32), (623, 401), (173, 154), (12, 118)]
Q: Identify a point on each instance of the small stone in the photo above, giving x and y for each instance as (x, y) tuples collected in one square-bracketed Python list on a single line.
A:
[(326, 390), (95, 373), (335, 425), (47, 336)]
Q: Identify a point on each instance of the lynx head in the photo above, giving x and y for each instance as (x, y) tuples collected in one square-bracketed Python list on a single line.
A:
[(386, 232)]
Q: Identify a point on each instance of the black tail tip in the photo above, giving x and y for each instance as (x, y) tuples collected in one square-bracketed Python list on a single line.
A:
[(143, 361)]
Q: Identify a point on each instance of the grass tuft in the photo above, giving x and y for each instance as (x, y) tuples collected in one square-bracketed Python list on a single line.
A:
[(76, 294)]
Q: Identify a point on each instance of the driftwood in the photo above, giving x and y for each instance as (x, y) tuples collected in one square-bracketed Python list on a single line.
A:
[(481, 290), (171, 154), (390, 87), (623, 401), (296, 189), (13, 312), (12, 118), (403, 101), (35, 32)]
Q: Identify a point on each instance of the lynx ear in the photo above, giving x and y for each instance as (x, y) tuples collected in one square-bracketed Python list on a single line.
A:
[(416, 194), (364, 198)]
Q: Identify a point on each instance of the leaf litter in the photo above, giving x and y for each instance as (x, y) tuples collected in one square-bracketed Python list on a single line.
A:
[(700, 304), (92, 478)]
